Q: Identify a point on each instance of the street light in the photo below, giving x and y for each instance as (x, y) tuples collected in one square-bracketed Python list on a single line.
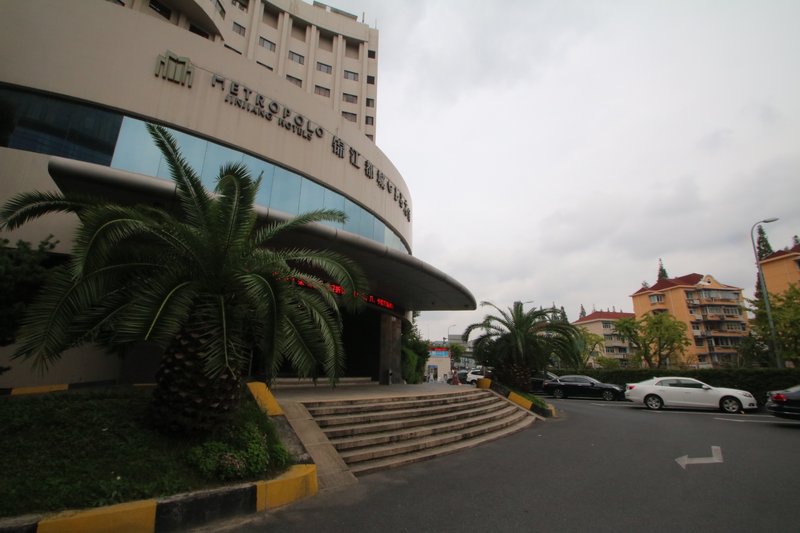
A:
[(763, 285)]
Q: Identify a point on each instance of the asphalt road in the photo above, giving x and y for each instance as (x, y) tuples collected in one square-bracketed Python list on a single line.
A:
[(599, 467)]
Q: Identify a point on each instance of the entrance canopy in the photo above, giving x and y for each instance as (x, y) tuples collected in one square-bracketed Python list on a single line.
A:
[(407, 282)]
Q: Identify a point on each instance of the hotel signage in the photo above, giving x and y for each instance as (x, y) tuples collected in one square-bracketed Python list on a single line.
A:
[(180, 70)]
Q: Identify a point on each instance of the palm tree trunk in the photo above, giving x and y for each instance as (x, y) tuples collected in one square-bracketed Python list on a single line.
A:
[(185, 400)]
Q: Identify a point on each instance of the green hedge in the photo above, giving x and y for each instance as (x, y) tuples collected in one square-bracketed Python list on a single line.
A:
[(755, 380)]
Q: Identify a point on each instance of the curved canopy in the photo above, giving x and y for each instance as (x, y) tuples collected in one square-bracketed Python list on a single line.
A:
[(406, 281)]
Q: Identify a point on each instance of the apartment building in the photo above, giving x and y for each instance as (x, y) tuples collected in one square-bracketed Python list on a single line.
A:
[(781, 269), (712, 312), (602, 323)]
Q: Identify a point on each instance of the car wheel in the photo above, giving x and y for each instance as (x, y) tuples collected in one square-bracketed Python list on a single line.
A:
[(654, 402), (730, 405), (559, 394), (609, 396)]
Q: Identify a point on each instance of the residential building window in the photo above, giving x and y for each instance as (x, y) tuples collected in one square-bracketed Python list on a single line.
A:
[(371, 54), (322, 91), (370, 102), (608, 325), (241, 4), (350, 75), (233, 49), (238, 28), (161, 9), (194, 29), (297, 58), (266, 43), (296, 81), (218, 7), (322, 67), (352, 117), (656, 298), (351, 98), (369, 120), (371, 80), (264, 65), (370, 137)]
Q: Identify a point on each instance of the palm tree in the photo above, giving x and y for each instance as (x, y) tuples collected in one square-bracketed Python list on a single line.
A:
[(199, 281), (520, 342)]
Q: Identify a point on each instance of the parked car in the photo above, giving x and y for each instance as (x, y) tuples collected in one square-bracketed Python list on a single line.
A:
[(785, 403), (477, 373), (537, 380), (687, 392), (462, 377), (582, 387)]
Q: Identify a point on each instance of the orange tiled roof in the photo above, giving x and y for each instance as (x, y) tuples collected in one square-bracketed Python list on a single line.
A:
[(604, 315)]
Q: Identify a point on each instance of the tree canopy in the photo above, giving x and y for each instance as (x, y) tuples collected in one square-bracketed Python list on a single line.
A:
[(658, 338)]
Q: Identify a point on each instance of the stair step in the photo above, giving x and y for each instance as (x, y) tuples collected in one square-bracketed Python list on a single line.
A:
[(381, 404), (397, 399), (431, 441), (385, 437), (386, 463), (404, 423), (431, 409), (296, 383)]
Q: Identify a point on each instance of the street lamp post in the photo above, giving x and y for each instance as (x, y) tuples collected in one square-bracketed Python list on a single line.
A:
[(764, 292)]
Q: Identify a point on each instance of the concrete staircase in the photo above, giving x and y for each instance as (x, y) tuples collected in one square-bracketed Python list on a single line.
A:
[(380, 433)]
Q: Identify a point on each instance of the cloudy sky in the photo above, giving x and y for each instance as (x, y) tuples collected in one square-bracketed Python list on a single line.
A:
[(555, 150)]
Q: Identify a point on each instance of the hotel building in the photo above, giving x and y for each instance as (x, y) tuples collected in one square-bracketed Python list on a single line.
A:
[(286, 87)]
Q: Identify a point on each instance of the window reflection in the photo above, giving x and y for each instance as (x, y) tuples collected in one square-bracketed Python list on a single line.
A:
[(49, 125)]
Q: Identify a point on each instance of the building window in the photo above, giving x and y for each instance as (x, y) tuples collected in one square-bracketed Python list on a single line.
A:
[(161, 9), (370, 137), (656, 299), (233, 49), (194, 29), (350, 75), (371, 80), (218, 7), (322, 91), (351, 98), (241, 4), (369, 120), (371, 54), (370, 102), (608, 325), (352, 117), (297, 58), (322, 67), (266, 43), (264, 65), (296, 81), (238, 28)]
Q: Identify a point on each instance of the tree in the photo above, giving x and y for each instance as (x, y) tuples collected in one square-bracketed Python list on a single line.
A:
[(414, 353), (518, 342), (198, 281), (785, 309), (456, 352), (582, 313), (22, 272), (588, 347), (662, 272), (763, 249), (659, 338)]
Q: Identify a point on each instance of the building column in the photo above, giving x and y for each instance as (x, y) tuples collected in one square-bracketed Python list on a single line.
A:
[(390, 349)]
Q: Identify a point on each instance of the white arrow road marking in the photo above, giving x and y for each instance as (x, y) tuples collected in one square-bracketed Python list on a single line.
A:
[(716, 457)]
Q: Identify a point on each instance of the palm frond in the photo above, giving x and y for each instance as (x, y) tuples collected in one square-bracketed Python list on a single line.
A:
[(270, 231), (27, 206), (193, 197)]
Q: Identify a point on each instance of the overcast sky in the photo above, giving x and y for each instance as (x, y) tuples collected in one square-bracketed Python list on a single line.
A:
[(556, 150)]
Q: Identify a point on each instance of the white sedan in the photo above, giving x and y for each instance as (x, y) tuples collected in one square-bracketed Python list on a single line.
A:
[(687, 392)]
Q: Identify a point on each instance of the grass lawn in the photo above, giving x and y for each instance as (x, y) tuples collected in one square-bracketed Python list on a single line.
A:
[(89, 448)]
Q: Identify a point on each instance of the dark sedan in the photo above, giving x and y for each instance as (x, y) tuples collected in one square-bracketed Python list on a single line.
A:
[(582, 387), (785, 403)]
